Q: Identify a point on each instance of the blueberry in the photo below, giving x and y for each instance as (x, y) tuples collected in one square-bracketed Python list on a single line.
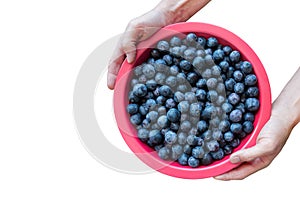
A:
[(220, 88), (212, 83), (252, 104), (181, 138), (252, 92), (164, 153), (183, 159), (151, 85), (229, 84), (136, 119), (209, 61), (160, 78), (217, 135), (230, 72), (191, 38), (161, 100), (189, 54), (176, 151), (174, 127), (200, 53), (201, 84), (173, 115), (248, 127), (249, 117), (192, 78), (238, 75), (224, 126), (138, 70), (224, 65), (187, 149), (201, 95), (227, 107), (250, 79), (228, 136), (163, 45), (170, 103), (160, 65), (227, 50), (195, 109), (227, 149), (170, 137), (175, 41), (193, 162), (165, 91), (155, 53), (175, 52), (246, 67), (208, 112), (207, 135), (236, 115), (217, 155), (235, 56), (146, 124), (163, 121), (181, 78), (220, 100), (132, 98), (155, 137), (190, 97), (191, 140), (183, 106), (218, 55), (134, 82), (140, 90), (178, 96), (207, 159), (236, 128), (150, 103), (199, 64), (152, 116), (201, 41), (206, 73), (212, 96), (185, 65), (132, 109), (234, 98), (168, 59), (198, 152), (235, 142), (212, 42), (148, 70), (171, 81), (185, 126), (216, 70), (143, 134), (174, 70), (202, 126), (239, 88)]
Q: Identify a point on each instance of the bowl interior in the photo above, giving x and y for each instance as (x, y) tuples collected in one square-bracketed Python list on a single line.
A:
[(128, 131)]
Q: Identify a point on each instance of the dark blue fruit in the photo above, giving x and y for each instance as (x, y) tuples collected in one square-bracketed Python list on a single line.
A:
[(193, 162), (252, 104), (143, 134), (212, 42), (170, 137), (173, 115), (202, 126), (248, 127), (164, 153), (132, 108), (234, 98), (163, 45), (165, 91), (228, 136), (136, 119), (140, 90), (236, 115), (207, 159), (250, 79), (183, 159), (235, 56), (198, 152), (236, 128), (217, 155), (163, 121)]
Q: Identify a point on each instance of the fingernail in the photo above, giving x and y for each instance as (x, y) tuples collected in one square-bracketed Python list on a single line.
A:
[(235, 159), (130, 58)]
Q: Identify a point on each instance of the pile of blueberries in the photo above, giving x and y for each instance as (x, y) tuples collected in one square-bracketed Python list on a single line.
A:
[(193, 100)]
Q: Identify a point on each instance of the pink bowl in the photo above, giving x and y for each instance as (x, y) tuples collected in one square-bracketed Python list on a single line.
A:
[(128, 131)]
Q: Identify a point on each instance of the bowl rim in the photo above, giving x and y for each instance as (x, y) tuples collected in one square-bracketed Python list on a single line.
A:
[(141, 150)]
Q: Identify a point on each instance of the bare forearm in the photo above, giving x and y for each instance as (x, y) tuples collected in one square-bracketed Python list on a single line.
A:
[(287, 105), (180, 10)]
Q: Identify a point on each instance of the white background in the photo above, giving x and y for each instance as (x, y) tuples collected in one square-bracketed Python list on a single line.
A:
[(42, 47)]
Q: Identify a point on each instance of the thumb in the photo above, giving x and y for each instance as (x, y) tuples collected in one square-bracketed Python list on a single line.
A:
[(246, 155)]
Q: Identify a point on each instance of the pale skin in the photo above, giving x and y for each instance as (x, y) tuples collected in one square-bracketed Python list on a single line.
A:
[(285, 109)]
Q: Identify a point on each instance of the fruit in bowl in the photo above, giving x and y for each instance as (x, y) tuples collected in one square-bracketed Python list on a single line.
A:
[(192, 97)]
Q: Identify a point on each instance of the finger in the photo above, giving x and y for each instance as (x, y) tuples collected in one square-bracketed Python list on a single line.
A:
[(129, 41), (243, 171), (114, 67), (246, 155)]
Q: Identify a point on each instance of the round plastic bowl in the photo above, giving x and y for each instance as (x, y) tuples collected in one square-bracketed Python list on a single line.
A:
[(128, 131)]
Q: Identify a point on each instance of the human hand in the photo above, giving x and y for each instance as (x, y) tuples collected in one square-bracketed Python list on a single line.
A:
[(138, 29), (269, 143)]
